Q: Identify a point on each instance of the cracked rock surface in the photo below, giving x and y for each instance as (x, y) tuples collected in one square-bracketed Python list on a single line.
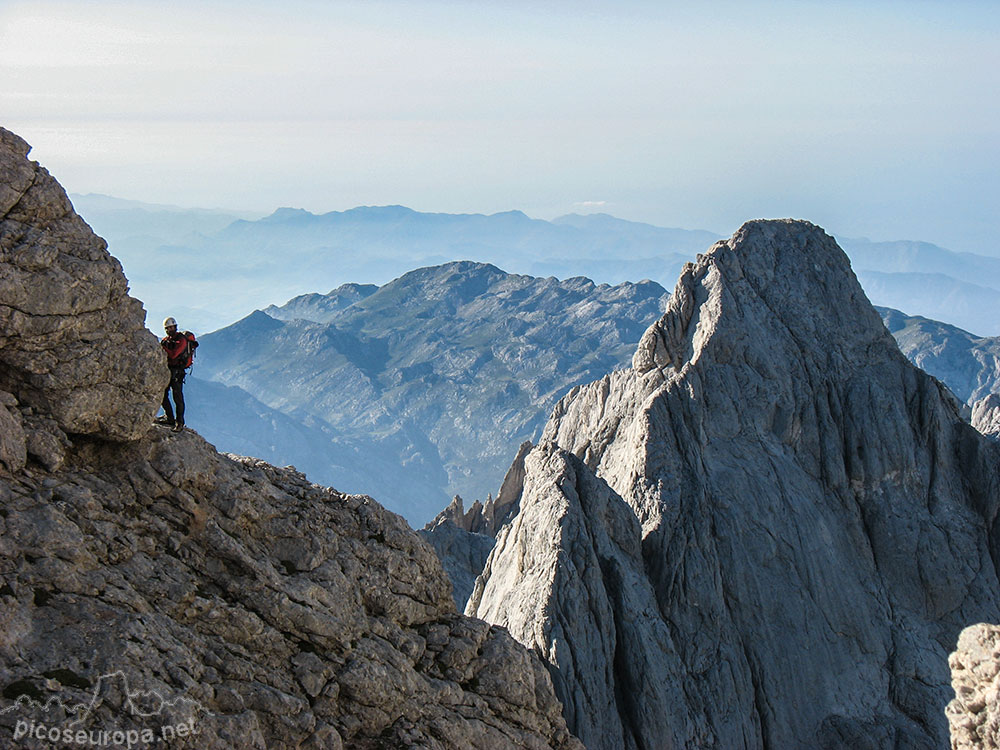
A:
[(768, 533), (290, 612), (147, 581), (72, 342)]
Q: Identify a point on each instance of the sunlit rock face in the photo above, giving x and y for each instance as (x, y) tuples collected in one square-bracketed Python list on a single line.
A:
[(768, 533), (72, 342), (974, 714)]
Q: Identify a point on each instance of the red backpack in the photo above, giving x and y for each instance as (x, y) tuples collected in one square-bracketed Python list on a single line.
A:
[(188, 354)]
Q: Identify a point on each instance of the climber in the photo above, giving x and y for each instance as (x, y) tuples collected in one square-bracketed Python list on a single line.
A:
[(179, 348)]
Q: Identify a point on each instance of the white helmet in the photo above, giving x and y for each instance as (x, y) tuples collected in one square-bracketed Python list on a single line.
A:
[(167, 322)]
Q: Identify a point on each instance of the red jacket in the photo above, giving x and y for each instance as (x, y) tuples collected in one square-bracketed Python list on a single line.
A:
[(175, 345)]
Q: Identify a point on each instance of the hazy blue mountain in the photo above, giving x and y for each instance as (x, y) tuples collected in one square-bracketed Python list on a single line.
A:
[(151, 223), (236, 422), (445, 371), (969, 365), (633, 236), (153, 243), (905, 256), (937, 296), (209, 268), (321, 308)]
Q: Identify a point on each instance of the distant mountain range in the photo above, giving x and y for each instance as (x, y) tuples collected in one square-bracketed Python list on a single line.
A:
[(969, 365), (415, 390), (210, 268)]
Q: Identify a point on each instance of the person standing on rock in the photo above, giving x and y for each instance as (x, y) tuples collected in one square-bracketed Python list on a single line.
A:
[(179, 348)]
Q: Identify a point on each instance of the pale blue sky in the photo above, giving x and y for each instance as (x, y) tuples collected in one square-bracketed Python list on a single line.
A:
[(870, 118)]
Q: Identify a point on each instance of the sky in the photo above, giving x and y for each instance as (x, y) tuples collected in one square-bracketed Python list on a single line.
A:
[(876, 119)]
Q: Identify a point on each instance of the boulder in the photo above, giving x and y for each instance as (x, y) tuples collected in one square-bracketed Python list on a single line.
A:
[(72, 342)]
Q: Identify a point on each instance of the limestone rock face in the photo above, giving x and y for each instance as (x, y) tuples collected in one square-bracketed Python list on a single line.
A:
[(289, 612), (152, 582), (975, 670), (813, 523), (599, 627), (72, 342), (986, 415)]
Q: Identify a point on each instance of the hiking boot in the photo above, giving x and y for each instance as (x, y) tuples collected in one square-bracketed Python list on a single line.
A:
[(164, 420), (178, 427)]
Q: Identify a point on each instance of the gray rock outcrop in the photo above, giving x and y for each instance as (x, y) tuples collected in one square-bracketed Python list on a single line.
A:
[(598, 625), (72, 342), (291, 613), (464, 539), (766, 534), (146, 581), (986, 415), (974, 714)]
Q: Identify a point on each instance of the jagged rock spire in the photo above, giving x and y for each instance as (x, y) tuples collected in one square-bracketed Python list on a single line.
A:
[(814, 522)]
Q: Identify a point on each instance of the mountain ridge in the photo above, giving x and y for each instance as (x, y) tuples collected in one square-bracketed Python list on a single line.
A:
[(229, 274), (449, 364)]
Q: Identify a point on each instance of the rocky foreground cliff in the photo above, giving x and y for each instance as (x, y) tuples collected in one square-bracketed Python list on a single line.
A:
[(768, 533), (150, 584)]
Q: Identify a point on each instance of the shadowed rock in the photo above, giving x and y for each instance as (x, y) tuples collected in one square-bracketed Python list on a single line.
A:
[(464, 539)]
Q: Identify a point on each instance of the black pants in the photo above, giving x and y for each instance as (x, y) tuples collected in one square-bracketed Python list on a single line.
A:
[(177, 386)]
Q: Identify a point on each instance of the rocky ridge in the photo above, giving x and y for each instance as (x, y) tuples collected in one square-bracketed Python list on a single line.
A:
[(446, 369), (464, 539), (388, 378), (285, 614), (768, 533)]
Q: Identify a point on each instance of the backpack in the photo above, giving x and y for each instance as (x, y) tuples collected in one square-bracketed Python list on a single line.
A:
[(188, 355)]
